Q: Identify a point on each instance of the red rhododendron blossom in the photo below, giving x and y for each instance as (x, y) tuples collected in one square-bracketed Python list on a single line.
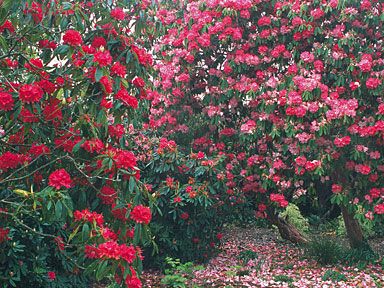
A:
[(107, 84), (118, 69), (98, 42), (336, 188), (127, 99), (107, 195), (301, 161), (4, 234), (125, 160), (279, 198), (363, 169), (116, 131), (111, 250), (248, 127), (60, 178), (138, 82), (341, 142), (379, 209), (6, 101), (264, 21), (103, 58), (72, 38), (93, 145), (10, 160), (372, 83), (30, 93), (51, 275), (37, 150), (86, 215), (184, 216), (118, 14), (141, 214)]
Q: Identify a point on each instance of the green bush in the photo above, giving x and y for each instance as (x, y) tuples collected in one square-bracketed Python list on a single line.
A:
[(293, 215), (325, 250)]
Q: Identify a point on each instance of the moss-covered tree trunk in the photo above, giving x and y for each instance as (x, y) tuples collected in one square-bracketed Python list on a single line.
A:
[(353, 228), (287, 230)]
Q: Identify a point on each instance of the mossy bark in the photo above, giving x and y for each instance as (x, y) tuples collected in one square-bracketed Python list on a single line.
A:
[(354, 231), (287, 230)]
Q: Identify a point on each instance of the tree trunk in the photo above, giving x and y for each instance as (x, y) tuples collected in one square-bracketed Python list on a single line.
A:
[(287, 230), (353, 228)]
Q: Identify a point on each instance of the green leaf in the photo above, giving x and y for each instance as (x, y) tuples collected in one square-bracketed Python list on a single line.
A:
[(63, 49), (3, 43), (85, 232), (132, 184), (58, 209), (102, 270), (99, 73)]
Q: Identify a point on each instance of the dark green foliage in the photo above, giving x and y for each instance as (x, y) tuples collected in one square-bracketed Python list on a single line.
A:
[(325, 250)]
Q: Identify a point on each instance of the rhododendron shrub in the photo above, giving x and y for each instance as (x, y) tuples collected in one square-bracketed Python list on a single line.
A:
[(72, 207), (290, 91), (188, 208)]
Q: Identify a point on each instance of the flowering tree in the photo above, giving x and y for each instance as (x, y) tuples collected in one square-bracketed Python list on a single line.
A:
[(289, 91), (71, 203)]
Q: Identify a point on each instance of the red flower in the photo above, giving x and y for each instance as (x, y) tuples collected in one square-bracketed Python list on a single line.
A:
[(127, 99), (6, 101), (379, 208), (37, 150), (118, 14), (264, 21), (138, 82), (59, 178), (107, 84), (98, 42), (118, 69), (10, 160), (341, 142), (30, 93), (184, 216), (103, 58), (372, 83), (72, 38), (93, 145), (51, 275), (301, 161), (363, 169), (91, 217), (125, 160), (116, 131), (336, 188), (141, 214), (107, 195), (4, 234)]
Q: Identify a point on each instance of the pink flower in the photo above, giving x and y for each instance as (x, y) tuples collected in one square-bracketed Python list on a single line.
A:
[(301, 161), (379, 208), (343, 141), (363, 169), (365, 63), (264, 21), (372, 83)]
